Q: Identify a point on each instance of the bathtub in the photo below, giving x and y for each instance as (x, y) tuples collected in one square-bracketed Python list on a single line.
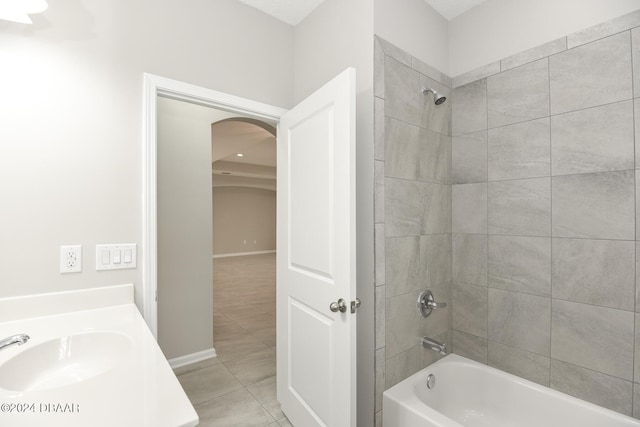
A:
[(468, 393)]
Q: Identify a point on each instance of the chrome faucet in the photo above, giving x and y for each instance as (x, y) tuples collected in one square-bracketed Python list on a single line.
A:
[(432, 344), (15, 339)]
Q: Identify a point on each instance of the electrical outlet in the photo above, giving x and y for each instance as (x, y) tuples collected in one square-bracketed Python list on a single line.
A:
[(71, 259)]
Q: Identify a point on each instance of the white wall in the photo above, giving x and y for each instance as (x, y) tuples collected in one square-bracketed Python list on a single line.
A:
[(415, 27), (339, 34), (70, 113), (242, 216), (500, 28), (185, 268)]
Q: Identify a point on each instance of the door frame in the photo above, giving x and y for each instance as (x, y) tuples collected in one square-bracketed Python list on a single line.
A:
[(154, 86)]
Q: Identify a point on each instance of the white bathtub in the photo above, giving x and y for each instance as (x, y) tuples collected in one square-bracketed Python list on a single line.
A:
[(467, 393)]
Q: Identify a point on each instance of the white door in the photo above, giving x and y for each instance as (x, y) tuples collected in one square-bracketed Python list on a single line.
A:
[(316, 263)]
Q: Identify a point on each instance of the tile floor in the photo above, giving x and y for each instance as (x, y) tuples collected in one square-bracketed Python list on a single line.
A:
[(238, 388)]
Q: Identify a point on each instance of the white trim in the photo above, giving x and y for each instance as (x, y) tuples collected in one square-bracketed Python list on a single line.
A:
[(188, 359), (242, 254), (152, 87)]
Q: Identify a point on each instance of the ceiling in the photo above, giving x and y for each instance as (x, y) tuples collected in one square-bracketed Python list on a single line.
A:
[(294, 11)]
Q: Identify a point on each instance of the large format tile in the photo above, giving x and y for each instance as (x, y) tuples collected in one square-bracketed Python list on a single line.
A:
[(469, 108), (469, 259), (469, 204), (265, 393), (598, 205), (438, 259), (406, 264), (520, 264), (520, 320), (597, 139), (380, 251), (413, 208), (599, 272), (253, 368), (520, 151), (470, 309), (403, 94), (530, 366), (236, 346), (476, 74), (635, 41), (521, 207), (469, 158), (234, 409), (436, 118), (604, 29), (534, 54), (378, 203), (590, 75), (403, 323), (401, 366), (469, 346), (198, 384), (378, 132), (595, 387), (593, 337), (519, 94), (415, 153), (380, 320)]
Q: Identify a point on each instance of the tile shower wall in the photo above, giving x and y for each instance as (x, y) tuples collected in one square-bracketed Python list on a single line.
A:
[(412, 213), (545, 242)]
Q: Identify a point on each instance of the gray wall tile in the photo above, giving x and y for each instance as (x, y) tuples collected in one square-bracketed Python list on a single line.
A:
[(394, 52), (636, 400), (469, 205), (605, 29), (521, 207), (379, 191), (635, 42), (403, 97), (413, 208), (470, 309), (378, 109), (593, 337), (638, 277), (469, 158), (415, 153), (469, 346), (438, 259), (470, 259), (636, 353), (599, 272), (520, 320), (429, 71), (530, 366), (636, 109), (403, 323), (534, 54), (469, 108), (520, 151), (520, 264), (380, 251), (477, 74), (379, 384), (593, 140), (401, 366), (406, 268), (519, 94), (594, 74), (378, 68), (381, 307), (595, 387), (598, 205)]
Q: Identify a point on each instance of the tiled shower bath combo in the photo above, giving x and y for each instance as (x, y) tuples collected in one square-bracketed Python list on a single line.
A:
[(515, 202)]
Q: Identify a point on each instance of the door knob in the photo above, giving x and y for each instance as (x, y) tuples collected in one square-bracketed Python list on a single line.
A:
[(340, 306)]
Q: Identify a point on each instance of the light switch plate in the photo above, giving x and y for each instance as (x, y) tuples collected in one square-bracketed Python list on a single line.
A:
[(116, 257)]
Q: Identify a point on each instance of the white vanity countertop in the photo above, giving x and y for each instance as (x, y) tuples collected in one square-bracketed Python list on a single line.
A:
[(140, 390)]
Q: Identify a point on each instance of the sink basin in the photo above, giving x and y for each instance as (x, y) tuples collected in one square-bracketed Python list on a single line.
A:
[(64, 361)]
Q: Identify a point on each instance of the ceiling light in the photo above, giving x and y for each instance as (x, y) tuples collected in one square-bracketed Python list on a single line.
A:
[(239, 155), (19, 10)]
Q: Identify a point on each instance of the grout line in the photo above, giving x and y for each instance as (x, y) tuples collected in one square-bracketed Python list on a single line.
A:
[(550, 220)]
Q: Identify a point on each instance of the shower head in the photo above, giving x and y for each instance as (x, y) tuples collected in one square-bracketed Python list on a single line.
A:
[(437, 98)]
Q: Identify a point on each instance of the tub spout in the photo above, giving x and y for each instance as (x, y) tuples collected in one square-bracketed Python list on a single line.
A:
[(432, 344), (12, 340)]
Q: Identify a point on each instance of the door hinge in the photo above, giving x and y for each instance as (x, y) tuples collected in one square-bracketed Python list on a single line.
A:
[(355, 305)]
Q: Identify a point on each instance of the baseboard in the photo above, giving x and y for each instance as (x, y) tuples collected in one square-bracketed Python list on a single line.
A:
[(243, 254), (188, 359)]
